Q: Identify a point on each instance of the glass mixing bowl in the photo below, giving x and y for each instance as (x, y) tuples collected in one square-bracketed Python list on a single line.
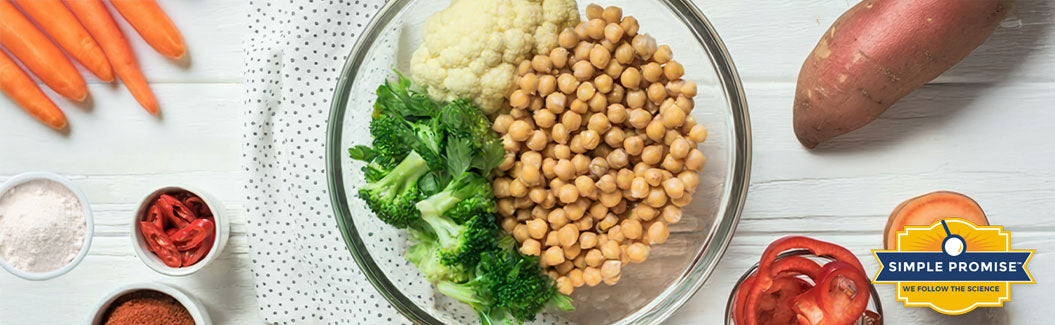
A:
[(648, 292)]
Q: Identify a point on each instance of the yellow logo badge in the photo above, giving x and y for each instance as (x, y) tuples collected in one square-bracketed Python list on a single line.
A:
[(953, 266)]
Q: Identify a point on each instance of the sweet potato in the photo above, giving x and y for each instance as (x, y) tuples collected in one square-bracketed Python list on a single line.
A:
[(880, 51), (926, 209)]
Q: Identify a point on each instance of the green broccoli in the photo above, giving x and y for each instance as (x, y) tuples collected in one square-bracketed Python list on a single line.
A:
[(393, 197), (467, 126), (507, 285), (462, 199)]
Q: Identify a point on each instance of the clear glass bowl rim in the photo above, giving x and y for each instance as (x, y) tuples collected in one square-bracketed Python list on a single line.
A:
[(687, 283), (751, 270)]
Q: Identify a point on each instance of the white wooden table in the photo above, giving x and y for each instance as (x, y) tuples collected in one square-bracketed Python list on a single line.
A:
[(983, 128)]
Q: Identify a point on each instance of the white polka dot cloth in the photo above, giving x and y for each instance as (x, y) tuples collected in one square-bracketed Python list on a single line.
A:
[(295, 50)]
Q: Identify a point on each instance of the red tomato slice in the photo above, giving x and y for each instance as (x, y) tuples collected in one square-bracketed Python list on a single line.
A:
[(193, 234), (176, 211), (197, 205), (840, 297), (154, 216), (160, 244)]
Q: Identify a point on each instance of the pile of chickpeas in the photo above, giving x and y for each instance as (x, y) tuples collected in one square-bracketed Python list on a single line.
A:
[(601, 150)]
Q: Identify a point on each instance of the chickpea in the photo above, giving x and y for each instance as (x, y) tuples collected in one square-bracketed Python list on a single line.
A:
[(564, 169), (528, 83), (630, 25), (519, 130), (550, 200), (611, 268), (607, 183), (505, 206), (568, 193), (643, 212), (599, 57), (613, 33), (620, 208), (656, 198), (631, 228), (658, 232), (571, 120), (682, 201), (603, 83), (564, 285), (633, 145), (698, 134), (672, 164), (538, 140), (639, 188), (585, 185), (598, 123), (592, 276), (590, 139), (501, 124), (616, 113), (690, 179), (578, 106), (653, 176), (541, 63), (593, 11), (674, 87), (639, 118), (686, 104), (695, 160), (656, 93), (624, 53), (595, 28), (517, 188), (679, 148), (531, 247), (610, 249), (637, 252), (555, 102), (500, 187), (520, 233), (674, 188), (559, 56), (537, 228), (624, 178), (640, 168), (547, 167), (630, 78), (594, 257), (652, 72), (614, 137), (553, 256), (607, 223), (582, 70), (612, 14), (568, 235), (575, 278), (671, 214), (561, 151), (558, 133), (581, 164), (567, 38), (644, 45), (537, 195), (655, 130), (529, 176), (611, 199), (524, 67), (585, 91), (614, 69), (673, 118), (567, 83), (551, 240), (652, 155), (581, 51)]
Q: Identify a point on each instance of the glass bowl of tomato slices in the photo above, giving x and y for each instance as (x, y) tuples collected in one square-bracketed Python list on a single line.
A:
[(807, 286), (178, 230)]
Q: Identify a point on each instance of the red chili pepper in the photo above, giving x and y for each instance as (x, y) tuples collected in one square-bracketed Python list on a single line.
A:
[(740, 300), (154, 216), (175, 211), (160, 244), (765, 272), (794, 265), (171, 231), (193, 256), (778, 300), (193, 234), (197, 205), (840, 297)]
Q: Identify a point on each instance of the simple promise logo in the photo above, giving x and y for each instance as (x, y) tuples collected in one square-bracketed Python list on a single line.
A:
[(953, 266)]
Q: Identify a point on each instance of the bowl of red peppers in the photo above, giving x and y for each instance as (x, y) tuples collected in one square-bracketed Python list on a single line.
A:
[(178, 230), (801, 280)]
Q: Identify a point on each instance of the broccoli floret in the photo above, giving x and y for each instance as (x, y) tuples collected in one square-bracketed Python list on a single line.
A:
[(459, 245), (427, 257), (393, 197), (465, 122), (390, 143), (507, 285), (462, 199)]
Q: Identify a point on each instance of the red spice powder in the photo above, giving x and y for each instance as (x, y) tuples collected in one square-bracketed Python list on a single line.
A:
[(146, 307)]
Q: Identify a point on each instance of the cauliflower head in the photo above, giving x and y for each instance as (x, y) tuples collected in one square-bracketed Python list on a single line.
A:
[(471, 49)]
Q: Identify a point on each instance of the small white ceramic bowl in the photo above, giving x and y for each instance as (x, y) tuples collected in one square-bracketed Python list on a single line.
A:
[(90, 227), (194, 307), (223, 227)]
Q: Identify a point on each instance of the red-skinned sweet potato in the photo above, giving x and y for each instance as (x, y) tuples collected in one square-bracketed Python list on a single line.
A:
[(880, 51)]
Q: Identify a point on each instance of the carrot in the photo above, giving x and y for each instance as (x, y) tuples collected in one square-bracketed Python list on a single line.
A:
[(153, 25), (38, 54), (16, 84), (926, 209), (94, 16), (880, 51), (59, 23)]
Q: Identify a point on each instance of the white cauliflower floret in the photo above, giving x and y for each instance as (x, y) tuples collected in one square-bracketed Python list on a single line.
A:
[(471, 49)]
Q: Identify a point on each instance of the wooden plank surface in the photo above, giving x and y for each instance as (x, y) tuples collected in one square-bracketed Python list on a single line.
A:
[(983, 128)]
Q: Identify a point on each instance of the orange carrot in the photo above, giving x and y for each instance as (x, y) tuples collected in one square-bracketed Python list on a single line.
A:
[(94, 16), (59, 23), (153, 25), (16, 84), (40, 56)]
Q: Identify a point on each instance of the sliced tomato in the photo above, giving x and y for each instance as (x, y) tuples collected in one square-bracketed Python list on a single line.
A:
[(154, 216), (193, 234), (190, 257), (171, 231), (160, 244), (197, 205)]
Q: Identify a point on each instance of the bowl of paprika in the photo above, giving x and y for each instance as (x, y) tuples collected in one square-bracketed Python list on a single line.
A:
[(178, 230), (144, 303)]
